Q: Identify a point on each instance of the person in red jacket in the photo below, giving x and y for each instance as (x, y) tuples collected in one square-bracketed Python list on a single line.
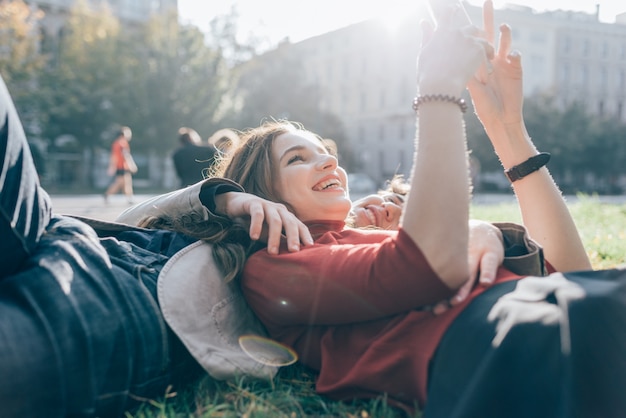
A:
[(121, 165), (357, 305)]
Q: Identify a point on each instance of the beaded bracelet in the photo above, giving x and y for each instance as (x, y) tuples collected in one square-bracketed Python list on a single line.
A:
[(417, 102)]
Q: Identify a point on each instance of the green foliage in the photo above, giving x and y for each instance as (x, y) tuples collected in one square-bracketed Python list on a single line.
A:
[(20, 61), (172, 79), (78, 88), (588, 152), (602, 226)]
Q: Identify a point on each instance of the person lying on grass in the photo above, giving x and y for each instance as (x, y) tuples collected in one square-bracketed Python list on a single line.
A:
[(356, 305)]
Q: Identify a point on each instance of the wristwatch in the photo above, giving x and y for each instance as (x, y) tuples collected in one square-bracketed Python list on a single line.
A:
[(527, 167)]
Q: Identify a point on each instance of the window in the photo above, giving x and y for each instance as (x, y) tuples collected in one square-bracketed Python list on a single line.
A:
[(567, 44), (585, 47), (604, 51), (565, 74), (584, 75), (604, 78), (538, 37)]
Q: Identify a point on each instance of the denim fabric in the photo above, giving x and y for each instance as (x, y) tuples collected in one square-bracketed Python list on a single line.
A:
[(24, 206), (81, 332)]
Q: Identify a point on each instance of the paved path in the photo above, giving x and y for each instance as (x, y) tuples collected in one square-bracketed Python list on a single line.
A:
[(93, 206)]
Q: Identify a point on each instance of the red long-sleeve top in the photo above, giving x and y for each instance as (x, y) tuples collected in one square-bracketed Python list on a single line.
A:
[(350, 307)]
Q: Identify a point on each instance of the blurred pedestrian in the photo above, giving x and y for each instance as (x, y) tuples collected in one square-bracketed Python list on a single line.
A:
[(224, 140), (191, 158), (121, 165)]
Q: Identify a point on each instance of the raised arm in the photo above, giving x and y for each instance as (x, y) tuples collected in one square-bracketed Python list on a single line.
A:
[(498, 98), (437, 208)]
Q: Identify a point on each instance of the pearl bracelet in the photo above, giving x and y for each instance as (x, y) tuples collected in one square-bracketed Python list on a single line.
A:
[(419, 100)]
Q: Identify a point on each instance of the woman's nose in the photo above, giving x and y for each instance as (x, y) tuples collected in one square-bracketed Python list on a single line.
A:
[(392, 211), (328, 162)]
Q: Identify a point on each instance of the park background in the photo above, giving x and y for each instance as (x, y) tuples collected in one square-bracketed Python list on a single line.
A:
[(80, 69)]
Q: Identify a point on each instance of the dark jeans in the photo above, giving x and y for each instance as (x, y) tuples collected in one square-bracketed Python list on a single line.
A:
[(528, 374), (81, 333)]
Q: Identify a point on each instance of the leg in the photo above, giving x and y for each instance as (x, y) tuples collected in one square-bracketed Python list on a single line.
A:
[(82, 333), (115, 186), (25, 208), (128, 186), (530, 374)]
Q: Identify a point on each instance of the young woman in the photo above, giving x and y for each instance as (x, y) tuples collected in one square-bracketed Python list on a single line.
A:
[(380, 210), (356, 305)]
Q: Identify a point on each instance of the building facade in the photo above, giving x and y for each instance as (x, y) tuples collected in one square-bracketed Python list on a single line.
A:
[(367, 74)]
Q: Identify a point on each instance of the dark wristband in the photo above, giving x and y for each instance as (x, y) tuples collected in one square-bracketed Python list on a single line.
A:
[(527, 167), (209, 192)]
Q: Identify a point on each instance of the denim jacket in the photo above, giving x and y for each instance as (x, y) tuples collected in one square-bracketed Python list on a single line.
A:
[(208, 315)]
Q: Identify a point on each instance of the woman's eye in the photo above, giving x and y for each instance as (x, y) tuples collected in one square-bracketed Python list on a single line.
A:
[(395, 199), (295, 158)]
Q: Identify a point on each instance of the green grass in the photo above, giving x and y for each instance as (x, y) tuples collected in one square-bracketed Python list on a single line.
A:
[(602, 227), (292, 393)]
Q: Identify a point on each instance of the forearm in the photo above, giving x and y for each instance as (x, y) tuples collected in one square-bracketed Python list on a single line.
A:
[(544, 211), (196, 201), (437, 209)]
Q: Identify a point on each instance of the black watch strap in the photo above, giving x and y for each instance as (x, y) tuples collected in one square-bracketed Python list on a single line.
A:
[(527, 167)]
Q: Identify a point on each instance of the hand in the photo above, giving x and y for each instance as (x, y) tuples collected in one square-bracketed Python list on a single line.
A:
[(496, 89), (450, 55), (529, 303), (267, 220), (485, 254)]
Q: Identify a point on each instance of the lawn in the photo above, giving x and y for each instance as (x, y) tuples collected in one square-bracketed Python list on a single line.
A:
[(291, 394)]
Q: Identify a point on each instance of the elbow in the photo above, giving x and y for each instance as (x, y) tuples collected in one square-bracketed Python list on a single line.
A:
[(453, 269), (454, 278)]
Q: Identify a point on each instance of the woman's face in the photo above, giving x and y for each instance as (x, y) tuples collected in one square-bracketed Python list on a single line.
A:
[(378, 210), (309, 179)]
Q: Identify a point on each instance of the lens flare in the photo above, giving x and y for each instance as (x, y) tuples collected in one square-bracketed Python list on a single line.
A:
[(267, 351)]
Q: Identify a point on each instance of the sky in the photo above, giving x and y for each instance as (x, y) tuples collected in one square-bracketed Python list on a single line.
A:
[(276, 20)]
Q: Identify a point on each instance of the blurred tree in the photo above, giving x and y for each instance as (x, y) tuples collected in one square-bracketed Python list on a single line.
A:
[(20, 60), (79, 87), (272, 86), (173, 78), (223, 35), (581, 144)]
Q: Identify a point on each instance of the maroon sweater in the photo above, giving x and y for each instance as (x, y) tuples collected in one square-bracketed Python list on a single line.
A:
[(350, 307)]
